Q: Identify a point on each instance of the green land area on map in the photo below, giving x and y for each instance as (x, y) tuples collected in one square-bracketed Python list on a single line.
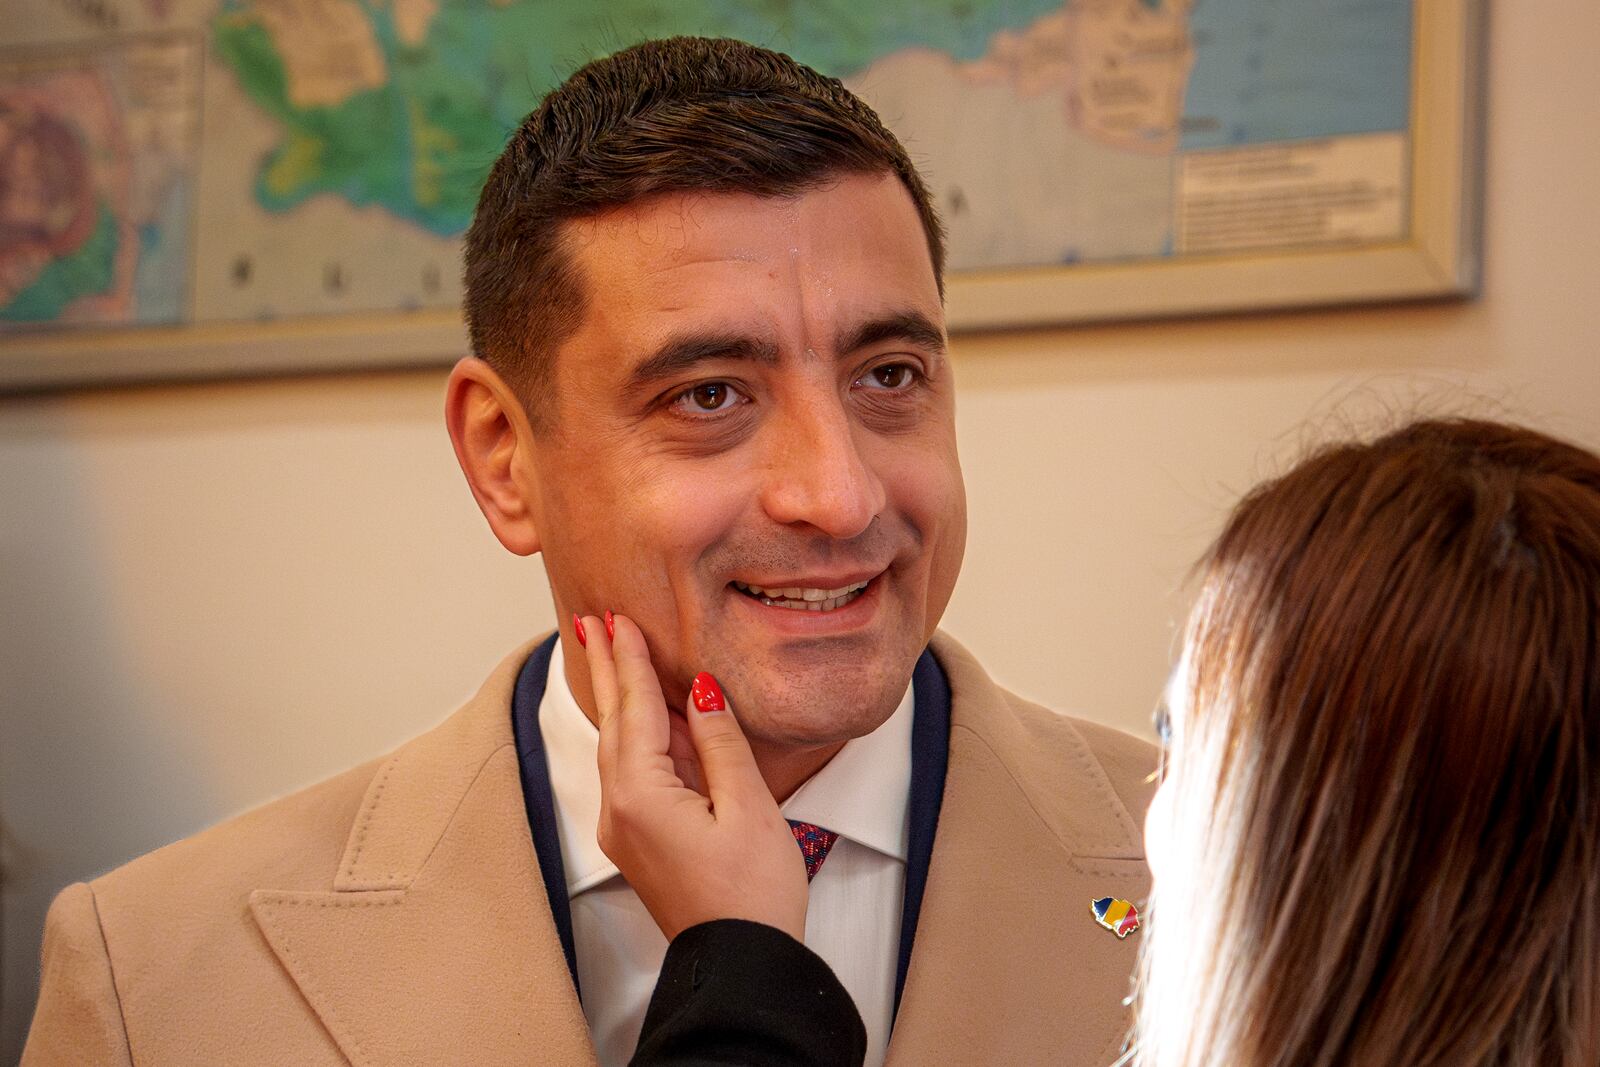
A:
[(447, 81), (344, 142), (88, 270)]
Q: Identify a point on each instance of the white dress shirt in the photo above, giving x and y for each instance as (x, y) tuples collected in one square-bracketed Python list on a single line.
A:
[(853, 920)]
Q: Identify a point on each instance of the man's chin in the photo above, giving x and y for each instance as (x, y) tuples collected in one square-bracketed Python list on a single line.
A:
[(806, 736), (806, 696), (791, 720)]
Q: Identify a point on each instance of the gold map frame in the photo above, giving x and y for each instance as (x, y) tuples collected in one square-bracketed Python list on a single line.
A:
[(1438, 258)]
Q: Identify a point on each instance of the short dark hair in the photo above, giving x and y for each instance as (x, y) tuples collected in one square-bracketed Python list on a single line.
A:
[(673, 115)]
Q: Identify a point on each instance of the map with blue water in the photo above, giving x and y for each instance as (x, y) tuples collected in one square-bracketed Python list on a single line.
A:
[(205, 161), (1284, 70)]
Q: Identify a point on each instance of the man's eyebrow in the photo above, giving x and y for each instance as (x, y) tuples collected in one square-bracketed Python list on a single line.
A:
[(681, 353), (911, 326)]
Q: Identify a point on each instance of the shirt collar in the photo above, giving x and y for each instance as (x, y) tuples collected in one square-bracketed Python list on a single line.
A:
[(862, 793)]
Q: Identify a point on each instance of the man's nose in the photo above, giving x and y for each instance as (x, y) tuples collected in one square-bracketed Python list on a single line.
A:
[(817, 473)]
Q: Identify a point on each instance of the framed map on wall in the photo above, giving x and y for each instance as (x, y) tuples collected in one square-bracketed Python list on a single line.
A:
[(193, 188)]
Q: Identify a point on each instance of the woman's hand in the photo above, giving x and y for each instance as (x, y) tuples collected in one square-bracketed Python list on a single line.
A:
[(728, 854)]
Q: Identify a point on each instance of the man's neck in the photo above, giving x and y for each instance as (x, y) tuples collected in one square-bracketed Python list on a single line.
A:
[(787, 769), (783, 767)]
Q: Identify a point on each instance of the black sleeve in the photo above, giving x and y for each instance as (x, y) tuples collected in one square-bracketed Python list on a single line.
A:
[(733, 992)]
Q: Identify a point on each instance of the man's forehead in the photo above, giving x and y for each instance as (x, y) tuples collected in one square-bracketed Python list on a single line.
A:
[(781, 273), (867, 216), (685, 226)]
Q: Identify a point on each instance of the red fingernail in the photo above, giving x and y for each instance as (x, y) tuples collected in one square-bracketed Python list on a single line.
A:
[(611, 625), (707, 693), (577, 624)]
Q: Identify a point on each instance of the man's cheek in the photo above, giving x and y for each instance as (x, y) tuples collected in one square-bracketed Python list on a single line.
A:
[(930, 499), (934, 506)]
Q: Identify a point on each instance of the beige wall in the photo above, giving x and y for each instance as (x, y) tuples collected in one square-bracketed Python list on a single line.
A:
[(214, 594)]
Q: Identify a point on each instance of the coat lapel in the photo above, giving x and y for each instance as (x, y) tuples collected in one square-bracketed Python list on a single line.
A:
[(436, 944), (1009, 965)]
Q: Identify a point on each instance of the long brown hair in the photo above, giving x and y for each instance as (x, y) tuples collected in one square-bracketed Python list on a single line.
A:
[(1383, 804)]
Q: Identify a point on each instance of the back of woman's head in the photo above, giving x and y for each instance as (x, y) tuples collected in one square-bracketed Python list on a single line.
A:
[(1382, 816)]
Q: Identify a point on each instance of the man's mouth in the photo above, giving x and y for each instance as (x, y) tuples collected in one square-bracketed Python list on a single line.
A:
[(802, 598)]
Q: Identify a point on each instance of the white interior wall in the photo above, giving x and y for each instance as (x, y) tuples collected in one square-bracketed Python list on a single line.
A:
[(213, 594)]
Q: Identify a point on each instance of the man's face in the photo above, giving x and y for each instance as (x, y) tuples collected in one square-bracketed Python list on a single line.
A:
[(751, 449)]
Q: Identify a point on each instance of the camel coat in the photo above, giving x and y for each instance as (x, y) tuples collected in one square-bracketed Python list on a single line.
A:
[(395, 915)]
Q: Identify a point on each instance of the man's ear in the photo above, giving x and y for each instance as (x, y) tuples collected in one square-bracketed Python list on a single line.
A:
[(494, 443)]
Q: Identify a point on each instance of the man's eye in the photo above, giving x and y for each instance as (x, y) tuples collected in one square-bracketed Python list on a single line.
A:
[(890, 376), (707, 397)]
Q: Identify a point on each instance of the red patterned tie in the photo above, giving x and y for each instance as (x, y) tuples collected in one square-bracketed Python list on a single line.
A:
[(814, 844)]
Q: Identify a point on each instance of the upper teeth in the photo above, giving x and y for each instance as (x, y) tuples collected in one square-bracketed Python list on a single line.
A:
[(797, 593)]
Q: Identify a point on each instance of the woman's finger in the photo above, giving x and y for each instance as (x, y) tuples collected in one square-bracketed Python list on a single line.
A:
[(642, 733), (727, 767), (607, 694), (680, 749)]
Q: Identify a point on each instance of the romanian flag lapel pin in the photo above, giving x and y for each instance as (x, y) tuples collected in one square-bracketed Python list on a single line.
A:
[(1118, 916)]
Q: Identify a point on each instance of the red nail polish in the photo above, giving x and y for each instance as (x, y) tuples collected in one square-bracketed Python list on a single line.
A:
[(707, 693), (577, 624), (611, 625)]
